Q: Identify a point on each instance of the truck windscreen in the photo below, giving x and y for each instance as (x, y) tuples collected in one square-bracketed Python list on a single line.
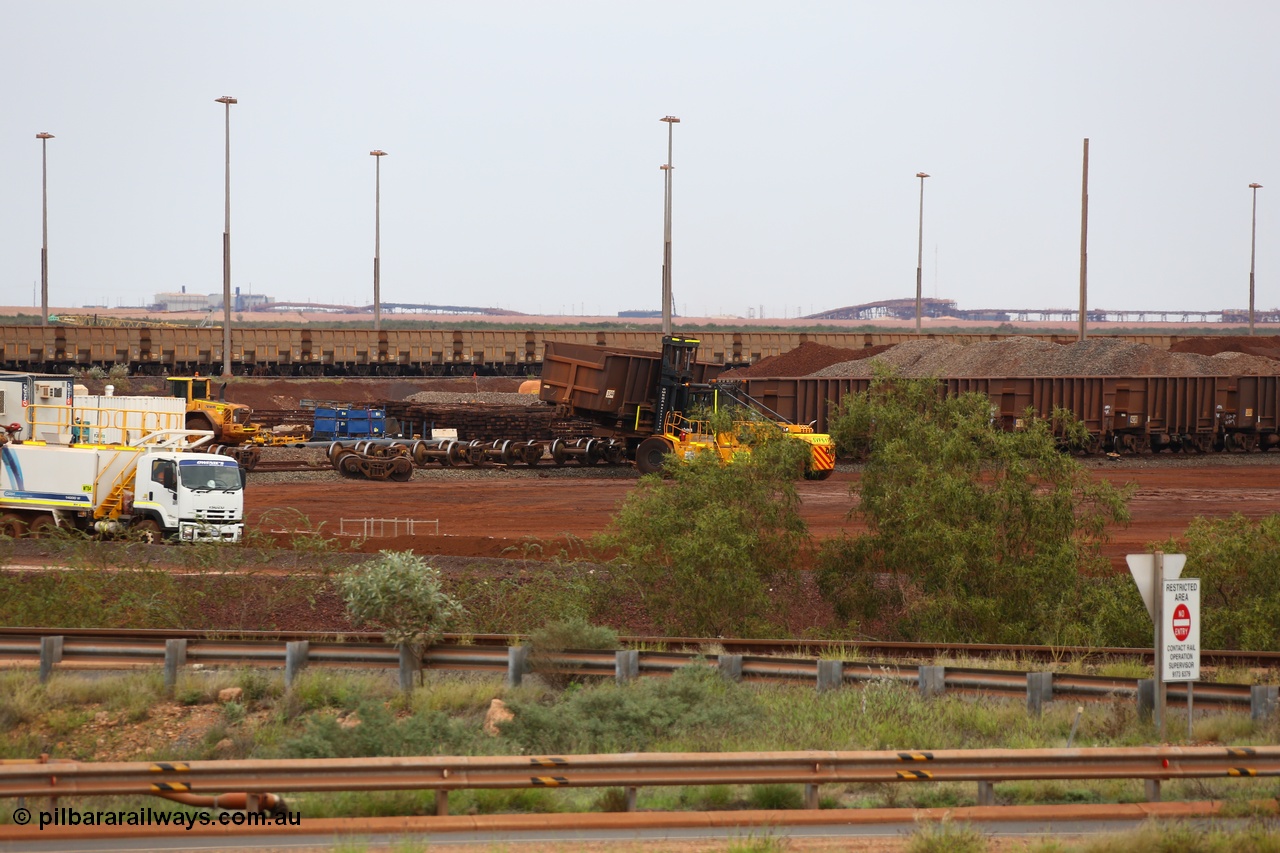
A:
[(225, 478)]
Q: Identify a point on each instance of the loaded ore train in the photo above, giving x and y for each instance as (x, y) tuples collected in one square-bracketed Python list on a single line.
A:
[(1170, 402), (397, 352), (1124, 414)]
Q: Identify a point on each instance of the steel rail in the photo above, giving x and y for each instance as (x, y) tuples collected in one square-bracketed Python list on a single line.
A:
[(799, 648), (634, 770), (103, 652)]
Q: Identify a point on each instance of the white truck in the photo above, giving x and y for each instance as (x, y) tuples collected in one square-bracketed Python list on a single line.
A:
[(155, 487)]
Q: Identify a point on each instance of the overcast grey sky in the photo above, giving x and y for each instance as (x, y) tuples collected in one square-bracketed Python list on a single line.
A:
[(524, 142)]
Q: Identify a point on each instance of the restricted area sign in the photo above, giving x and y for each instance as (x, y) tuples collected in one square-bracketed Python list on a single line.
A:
[(1180, 657)]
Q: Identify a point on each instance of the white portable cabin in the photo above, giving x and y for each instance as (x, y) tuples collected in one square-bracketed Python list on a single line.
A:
[(123, 420)]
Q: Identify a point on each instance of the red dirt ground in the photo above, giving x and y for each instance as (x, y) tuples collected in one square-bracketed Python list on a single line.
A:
[(496, 515)]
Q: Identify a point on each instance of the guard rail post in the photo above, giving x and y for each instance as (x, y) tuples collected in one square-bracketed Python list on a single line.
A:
[(830, 675), (410, 663), (811, 795), (442, 802), (933, 681), (626, 665), (1146, 698), (630, 800), (730, 666), (1152, 787), (175, 656), (50, 654), (1039, 691), (295, 658), (1262, 702), (517, 662), (986, 793)]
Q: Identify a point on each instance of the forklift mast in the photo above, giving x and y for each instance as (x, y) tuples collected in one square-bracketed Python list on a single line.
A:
[(675, 377)]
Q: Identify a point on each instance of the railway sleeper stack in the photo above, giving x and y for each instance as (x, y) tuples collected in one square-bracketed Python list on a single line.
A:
[(472, 421)]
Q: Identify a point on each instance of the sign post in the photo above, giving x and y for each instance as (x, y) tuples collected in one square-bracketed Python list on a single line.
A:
[(1149, 573), (1180, 654)]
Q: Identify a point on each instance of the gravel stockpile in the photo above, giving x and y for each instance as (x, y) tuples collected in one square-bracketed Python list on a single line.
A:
[(486, 397), (1019, 356), (1267, 346), (802, 361)]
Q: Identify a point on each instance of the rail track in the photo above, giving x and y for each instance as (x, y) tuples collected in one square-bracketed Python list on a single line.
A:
[(282, 466)]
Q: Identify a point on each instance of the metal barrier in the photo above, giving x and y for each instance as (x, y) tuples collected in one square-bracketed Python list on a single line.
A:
[(98, 653), (376, 528), (631, 771)]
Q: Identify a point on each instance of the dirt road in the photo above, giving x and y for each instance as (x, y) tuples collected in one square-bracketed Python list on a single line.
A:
[(509, 513)]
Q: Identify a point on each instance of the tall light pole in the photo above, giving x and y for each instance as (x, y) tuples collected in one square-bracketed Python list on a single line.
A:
[(226, 251), (920, 251), (666, 230), (44, 227), (1253, 245), (377, 155), (1084, 245)]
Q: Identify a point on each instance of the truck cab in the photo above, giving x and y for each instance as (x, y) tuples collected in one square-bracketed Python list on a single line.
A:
[(195, 496)]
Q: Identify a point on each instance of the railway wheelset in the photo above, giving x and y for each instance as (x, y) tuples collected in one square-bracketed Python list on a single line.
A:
[(396, 459)]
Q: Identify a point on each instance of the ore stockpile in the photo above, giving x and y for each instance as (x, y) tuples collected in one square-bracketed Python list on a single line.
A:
[(1210, 394)]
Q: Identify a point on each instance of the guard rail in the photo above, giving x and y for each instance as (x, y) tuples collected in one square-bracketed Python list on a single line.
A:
[(636, 770), (104, 652)]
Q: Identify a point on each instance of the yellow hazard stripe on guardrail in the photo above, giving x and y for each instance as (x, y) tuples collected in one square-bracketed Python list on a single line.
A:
[(167, 767), (548, 762), (549, 781), (170, 787), (915, 775), (1241, 750), (915, 756), (1241, 771)]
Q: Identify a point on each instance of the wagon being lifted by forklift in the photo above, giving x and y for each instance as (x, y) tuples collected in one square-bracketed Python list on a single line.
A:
[(646, 401)]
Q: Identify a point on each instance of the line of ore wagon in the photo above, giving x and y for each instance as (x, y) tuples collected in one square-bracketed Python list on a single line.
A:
[(1124, 414), (257, 351)]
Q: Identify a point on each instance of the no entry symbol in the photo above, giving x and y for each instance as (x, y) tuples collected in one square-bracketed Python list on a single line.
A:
[(1181, 622)]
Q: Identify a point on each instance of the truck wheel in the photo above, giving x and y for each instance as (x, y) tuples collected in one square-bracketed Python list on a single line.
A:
[(650, 455), (43, 526), (818, 475), (147, 530), (12, 525)]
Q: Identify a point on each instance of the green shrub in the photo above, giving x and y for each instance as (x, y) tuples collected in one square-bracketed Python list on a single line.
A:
[(554, 638), (316, 689), (947, 837), (703, 550), (525, 600), (975, 534), (400, 593), (694, 706), (1238, 562), (775, 797), (378, 733), (254, 683)]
